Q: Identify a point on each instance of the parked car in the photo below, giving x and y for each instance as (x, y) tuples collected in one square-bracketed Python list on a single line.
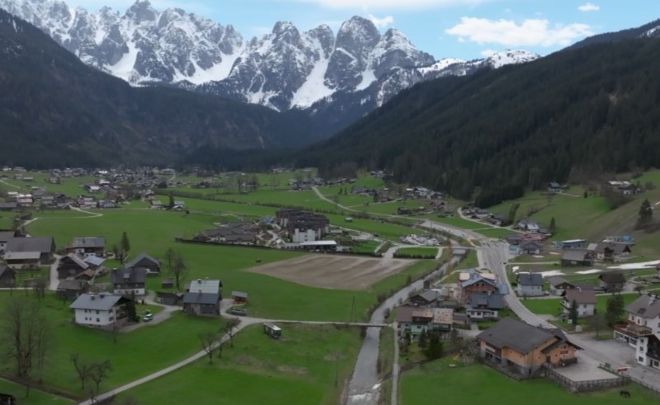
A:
[(237, 311), (148, 317)]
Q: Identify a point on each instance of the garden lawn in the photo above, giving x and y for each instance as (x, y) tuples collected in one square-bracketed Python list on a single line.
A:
[(36, 397), (458, 222), (552, 306), (308, 365), (478, 384), (417, 252)]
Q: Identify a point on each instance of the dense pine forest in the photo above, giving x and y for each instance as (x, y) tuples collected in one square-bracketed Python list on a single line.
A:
[(489, 137)]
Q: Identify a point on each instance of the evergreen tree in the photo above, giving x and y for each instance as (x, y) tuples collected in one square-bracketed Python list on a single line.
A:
[(435, 347), (614, 310), (645, 214), (553, 226)]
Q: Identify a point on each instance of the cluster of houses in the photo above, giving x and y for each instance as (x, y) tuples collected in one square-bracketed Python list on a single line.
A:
[(580, 252), (478, 296), (300, 226)]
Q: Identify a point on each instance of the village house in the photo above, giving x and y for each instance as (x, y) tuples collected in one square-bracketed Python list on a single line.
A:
[(642, 330), (531, 248), (529, 285), (425, 298), (559, 285), (623, 187), (129, 281), (144, 262), (87, 246), (414, 321), (71, 289), (577, 257), (71, 266), (524, 349), (239, 297), (100, 310), (27, 252), (527, 225), (303, 226), (203, 298), (572, 244), (476, 282), (7, 276), (612, 281), (611, 252), (585, 302), (484, 306)]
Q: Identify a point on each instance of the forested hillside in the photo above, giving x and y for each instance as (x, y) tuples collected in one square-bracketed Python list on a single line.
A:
[(55, 111), (493, 135)]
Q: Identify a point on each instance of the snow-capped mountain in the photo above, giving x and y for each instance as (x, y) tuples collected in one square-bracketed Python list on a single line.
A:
[(140, 46), (283, 70)]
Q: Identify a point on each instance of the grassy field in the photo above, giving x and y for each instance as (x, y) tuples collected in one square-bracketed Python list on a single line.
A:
[(417, 252), (477, 384), (35, 397), (552, 306), (309, 365), (460, 223), (154, 231), (470, 261), (133, 355)]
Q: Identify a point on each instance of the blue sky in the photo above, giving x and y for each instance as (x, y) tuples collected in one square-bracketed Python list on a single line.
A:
[(445, 28)]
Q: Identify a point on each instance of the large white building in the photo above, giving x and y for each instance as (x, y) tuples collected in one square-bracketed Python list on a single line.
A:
[(100, 310), (642, 330)]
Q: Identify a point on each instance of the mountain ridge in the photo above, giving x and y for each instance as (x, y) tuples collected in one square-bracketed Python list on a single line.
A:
[(58, 111), (285, 69)]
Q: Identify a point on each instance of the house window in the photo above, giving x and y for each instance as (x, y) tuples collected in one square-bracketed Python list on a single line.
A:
[(97, 312), (98, 320)]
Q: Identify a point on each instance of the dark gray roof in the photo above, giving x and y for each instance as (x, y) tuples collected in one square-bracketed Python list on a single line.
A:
[(577, 255), (139, 258), (88, 242), (101, 302), (239, 294), (132, 276), (580, 296), (646, 306), (428, 295), (516, 335), (201, 298), (558, 280), (36, 244), (490, 301), (533, 279)]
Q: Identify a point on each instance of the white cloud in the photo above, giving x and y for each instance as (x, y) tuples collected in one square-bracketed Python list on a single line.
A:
[(392, 4), (530, 32), (488, 53), (381, 22), (588, 7)]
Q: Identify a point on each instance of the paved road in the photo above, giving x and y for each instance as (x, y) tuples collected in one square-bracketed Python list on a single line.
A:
[(53, 275), (160, 317)]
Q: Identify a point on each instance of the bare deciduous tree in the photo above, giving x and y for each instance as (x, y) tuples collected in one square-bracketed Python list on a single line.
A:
[(208, 341), (25, 337), (179, 271), (98, 373), (230, 326)]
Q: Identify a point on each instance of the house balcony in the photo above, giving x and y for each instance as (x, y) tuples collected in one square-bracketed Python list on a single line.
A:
[(633, 330)]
